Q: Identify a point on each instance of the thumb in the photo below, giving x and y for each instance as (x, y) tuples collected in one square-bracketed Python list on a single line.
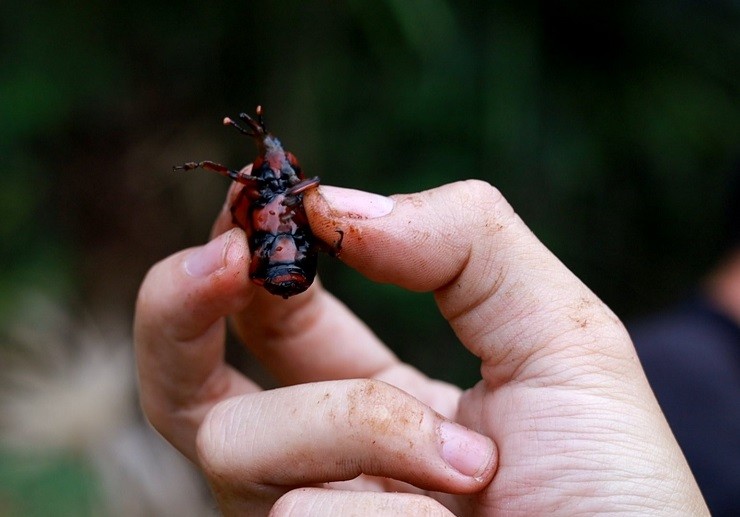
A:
[(508, 298)]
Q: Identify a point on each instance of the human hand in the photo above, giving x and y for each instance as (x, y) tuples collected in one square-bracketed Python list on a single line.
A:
[(564, 419)]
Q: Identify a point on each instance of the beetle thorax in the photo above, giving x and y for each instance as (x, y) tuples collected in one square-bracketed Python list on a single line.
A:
[(275, 156)]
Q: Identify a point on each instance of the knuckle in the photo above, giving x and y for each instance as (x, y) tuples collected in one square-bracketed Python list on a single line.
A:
[(480, 188), (382, 409), (483, 198), (474, 209)]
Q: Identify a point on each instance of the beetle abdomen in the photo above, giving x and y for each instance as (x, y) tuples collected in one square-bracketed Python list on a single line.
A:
[(284, 264)]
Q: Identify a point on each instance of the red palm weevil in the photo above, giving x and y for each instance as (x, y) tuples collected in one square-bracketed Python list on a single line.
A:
[(269, 208)]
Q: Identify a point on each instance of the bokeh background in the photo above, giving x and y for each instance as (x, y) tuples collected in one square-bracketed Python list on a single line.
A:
[(610, 127)]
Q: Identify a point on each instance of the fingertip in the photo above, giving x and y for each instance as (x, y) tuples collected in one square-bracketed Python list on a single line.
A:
[(418, 241), (355, 204), (206, 260), (184, 294), (334, 211), (470, 453), (221, 273), (227, 255)]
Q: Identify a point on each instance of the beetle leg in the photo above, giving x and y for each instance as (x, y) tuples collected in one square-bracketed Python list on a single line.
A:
[(291, 194), (208, 165), (237, 176), (336, 248), (303, 186)]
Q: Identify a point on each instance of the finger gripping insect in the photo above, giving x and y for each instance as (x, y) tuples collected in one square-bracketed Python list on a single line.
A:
[(269, 208)]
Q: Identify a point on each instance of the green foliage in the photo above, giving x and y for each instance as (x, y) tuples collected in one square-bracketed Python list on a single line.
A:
[(33, 486), (610, 128)]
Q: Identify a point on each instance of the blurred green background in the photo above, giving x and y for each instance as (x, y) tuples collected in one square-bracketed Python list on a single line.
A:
[(610, 127)]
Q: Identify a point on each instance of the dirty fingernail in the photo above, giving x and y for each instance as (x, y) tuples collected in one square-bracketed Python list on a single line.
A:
[(466, 451), (356, 203), (210, 258)]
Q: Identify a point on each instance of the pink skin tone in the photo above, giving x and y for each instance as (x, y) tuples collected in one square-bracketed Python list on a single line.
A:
[(562, 421)]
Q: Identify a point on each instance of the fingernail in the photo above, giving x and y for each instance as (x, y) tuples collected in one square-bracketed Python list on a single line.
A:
[(356, 204), (467, 452), (208, 259)]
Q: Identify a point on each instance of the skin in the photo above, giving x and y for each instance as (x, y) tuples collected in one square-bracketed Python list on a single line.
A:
[(562, 421)]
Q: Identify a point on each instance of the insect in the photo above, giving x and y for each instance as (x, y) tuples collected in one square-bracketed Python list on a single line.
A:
[(269, 208)]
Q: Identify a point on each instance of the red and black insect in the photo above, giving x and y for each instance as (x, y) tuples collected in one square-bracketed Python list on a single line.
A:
[(270, 210)]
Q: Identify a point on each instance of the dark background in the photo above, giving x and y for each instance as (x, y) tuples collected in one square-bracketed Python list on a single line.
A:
[(610, 127)]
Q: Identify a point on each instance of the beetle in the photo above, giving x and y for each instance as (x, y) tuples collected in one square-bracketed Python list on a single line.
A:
[(269, 208)]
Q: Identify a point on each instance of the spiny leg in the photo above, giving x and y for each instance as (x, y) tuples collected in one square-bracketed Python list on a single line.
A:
[(237, 176), (291, 195), (303, 186), (336, 248)]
